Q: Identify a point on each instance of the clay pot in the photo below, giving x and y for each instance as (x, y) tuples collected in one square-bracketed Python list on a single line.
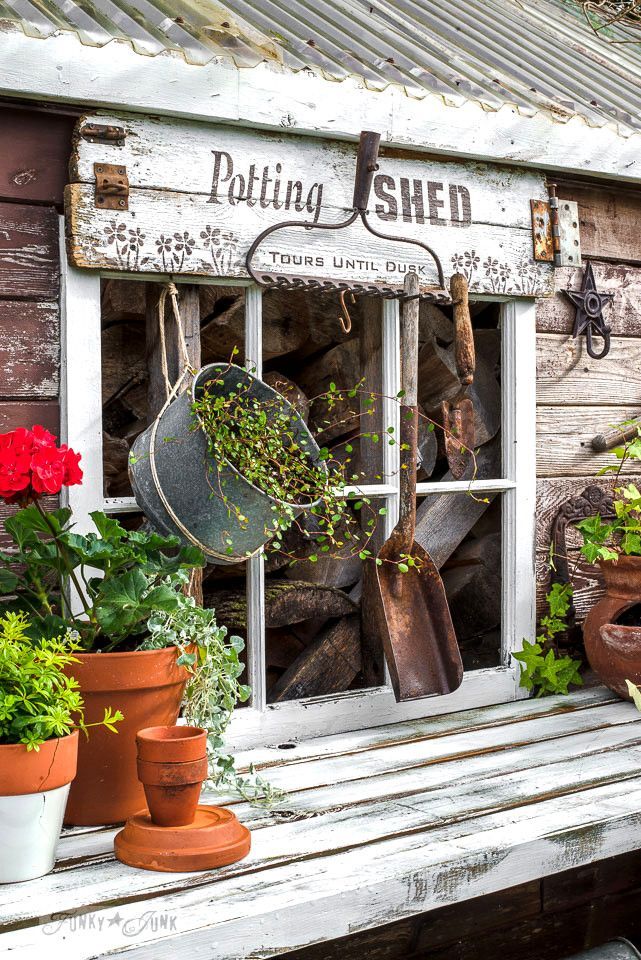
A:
[(147, 686), (171, 744), (34, 786), (614, 650), (172, 764)]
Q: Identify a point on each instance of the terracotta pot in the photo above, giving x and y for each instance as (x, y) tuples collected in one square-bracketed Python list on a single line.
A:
[(147, 686), (171, 744), (34, 786), (172, 764), (614, 650), (172, 790)]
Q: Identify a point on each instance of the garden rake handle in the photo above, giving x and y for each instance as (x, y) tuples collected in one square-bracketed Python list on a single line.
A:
[(464, 352)]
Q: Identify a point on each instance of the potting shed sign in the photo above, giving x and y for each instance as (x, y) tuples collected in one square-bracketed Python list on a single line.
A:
[(159, 196)]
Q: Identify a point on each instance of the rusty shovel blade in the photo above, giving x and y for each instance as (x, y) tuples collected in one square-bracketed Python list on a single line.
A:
[(459, 435), (416, 627)]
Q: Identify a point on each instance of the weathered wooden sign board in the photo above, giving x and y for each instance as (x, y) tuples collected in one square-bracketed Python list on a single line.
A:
[(199, 194)]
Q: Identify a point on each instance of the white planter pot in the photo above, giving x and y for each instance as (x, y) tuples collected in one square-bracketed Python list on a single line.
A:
[(30, 826)]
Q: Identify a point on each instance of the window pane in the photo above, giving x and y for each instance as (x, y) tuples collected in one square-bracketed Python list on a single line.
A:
[(308, 356), (317, 641), (462, 533), (438, 381), (125, 380)]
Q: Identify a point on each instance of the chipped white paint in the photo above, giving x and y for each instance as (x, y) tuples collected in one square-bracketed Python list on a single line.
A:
[(201, 218), (376, 828)]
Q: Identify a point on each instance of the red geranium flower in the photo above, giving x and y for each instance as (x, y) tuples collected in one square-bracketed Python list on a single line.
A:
[(32, 465)]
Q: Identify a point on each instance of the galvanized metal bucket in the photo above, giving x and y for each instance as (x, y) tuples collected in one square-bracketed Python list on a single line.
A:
[(178, 484), (620, 949)]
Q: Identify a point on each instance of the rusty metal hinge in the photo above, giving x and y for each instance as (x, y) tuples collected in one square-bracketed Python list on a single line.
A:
[(112, 186), (555, 231), (104, 133)]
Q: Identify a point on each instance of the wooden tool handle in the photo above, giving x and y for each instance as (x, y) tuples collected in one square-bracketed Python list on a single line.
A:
[(366, 167), (614, 438), (409, 341), (464, 352)]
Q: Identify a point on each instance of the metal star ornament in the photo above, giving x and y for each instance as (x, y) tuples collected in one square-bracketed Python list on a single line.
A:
[(589, 305)]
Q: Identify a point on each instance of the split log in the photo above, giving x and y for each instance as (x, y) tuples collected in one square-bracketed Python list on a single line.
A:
[(122, 301), (223, 328), (434, 324), (340, 365), (115, 453), (286, 602), (328, 665), (290, 390), (444, 520), (472, 581)]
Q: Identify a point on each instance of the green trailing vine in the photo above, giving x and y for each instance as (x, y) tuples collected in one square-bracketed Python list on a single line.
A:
[(543, 668), (38, 700), (213, 688)]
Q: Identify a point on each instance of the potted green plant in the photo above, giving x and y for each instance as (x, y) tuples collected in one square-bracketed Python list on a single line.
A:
[(41, 710), (116, 578), (612, 631)]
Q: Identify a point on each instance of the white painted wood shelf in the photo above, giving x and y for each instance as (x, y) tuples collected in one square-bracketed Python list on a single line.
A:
[(377, 825)]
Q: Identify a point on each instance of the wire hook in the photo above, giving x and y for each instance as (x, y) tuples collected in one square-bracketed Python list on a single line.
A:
[(345, 319)]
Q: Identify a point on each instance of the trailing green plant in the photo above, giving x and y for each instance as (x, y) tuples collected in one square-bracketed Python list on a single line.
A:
[(543, 668), (607, 539), (267, 444), (213, 688), (134, 565), (38, 700)]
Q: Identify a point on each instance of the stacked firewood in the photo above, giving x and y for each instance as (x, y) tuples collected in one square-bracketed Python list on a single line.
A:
[(317, 636)]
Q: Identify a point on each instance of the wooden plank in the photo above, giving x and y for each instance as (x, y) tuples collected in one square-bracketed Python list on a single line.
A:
[(243, 182), (446, 776), (458, 862), (574, 887), (564, 435), (29, 259), (92, 235), (587, 582), (34, 155), (556, 314), (608, 220), (29, 349), (566, 375), (17, 413)]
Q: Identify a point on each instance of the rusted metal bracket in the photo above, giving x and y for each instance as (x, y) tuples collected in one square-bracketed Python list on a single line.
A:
[(555, 230), (104, 133), (112, 186), (542, 231)]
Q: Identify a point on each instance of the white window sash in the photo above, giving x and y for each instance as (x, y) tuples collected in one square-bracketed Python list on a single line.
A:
[(263, 723)]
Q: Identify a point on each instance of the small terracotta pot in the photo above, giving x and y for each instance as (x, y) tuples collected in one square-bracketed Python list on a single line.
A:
[(147, 687), (614, 650), (172, 790), (34, 785), (172, 764), (171, 744)]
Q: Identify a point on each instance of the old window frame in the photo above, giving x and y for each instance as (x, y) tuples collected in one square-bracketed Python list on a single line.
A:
[(261, 723)]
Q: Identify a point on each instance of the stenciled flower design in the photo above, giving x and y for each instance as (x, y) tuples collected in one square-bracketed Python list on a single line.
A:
[(136, 238), (164, 244), (491, 267), (184, 242), (115, 233), (458, 261), (472, 259), (210, 236)]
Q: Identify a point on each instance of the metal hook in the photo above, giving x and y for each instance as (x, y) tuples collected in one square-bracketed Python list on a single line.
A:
[(345, 319)]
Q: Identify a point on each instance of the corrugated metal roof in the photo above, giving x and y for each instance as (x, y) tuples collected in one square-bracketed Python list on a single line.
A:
[(536, 55)]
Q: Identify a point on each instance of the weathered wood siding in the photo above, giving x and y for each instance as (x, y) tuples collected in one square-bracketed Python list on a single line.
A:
[(578, 397), (34, 153)]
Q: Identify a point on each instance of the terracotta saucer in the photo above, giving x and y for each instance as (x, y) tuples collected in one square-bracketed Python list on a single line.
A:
[(214, 839)]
